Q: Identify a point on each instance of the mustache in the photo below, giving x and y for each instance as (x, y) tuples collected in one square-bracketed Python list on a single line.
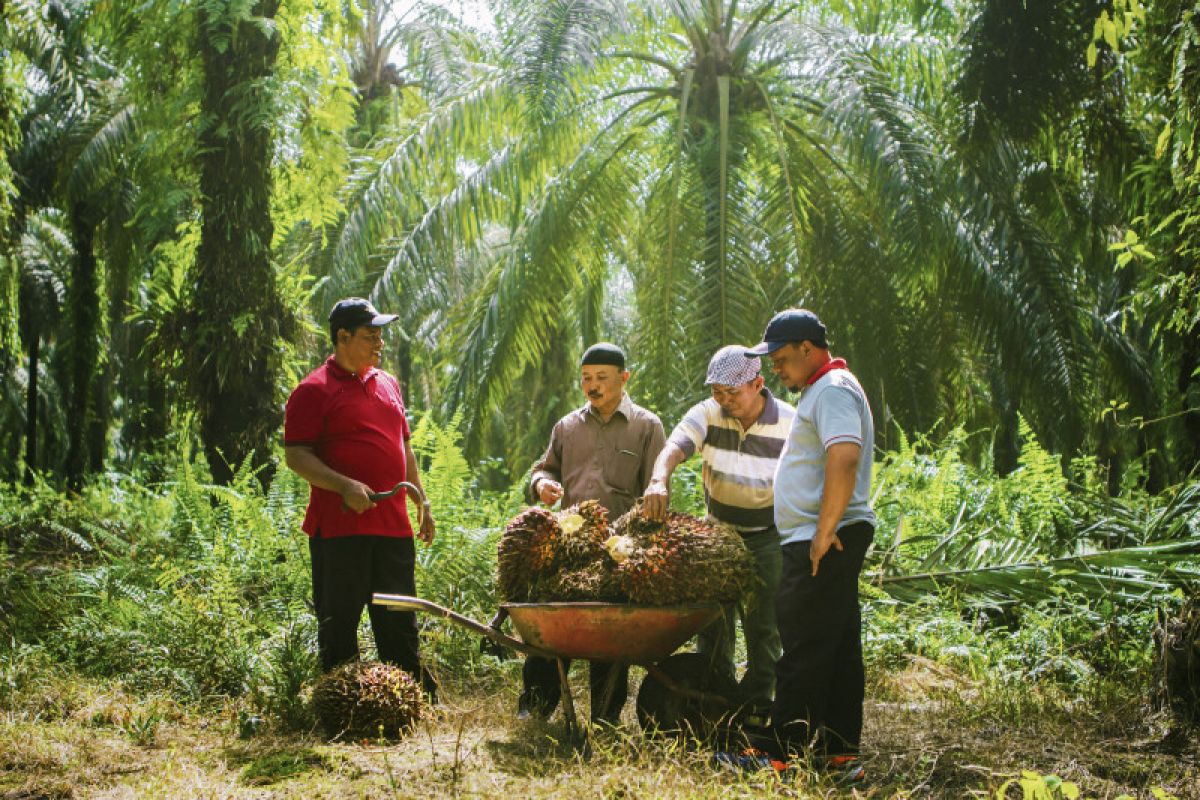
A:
[(594, 393)]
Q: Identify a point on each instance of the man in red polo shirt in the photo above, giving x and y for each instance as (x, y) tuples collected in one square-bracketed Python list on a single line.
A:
[(345, 432)]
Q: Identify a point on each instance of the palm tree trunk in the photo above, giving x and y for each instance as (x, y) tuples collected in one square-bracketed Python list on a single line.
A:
[(31, 407), (83, 309), (237, 312)]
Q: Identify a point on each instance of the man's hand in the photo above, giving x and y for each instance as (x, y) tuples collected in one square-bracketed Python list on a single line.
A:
[(549, 492), (356, 496), (428, 528), (820, 546), (656, 500)]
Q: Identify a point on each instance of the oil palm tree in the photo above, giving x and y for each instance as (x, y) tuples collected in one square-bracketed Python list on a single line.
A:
[(730, 159), (75, 136)]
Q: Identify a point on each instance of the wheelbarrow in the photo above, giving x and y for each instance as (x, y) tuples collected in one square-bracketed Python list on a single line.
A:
[(680, 693)]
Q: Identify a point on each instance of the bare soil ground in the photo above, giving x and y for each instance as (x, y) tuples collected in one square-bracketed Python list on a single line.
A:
[(929, 734)]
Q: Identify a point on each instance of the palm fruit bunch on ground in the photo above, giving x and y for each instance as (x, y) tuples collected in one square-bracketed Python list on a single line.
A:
[(573, 556), (681, 560), (360, 700), (525, 552)]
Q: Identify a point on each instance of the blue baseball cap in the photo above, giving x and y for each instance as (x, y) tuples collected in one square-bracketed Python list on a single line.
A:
[(792, 325)]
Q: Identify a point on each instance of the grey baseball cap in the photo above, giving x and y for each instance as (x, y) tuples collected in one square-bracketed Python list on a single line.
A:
[(729, 366)]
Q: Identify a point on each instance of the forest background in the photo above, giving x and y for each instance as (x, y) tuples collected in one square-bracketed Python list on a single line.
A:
[(994, 205)]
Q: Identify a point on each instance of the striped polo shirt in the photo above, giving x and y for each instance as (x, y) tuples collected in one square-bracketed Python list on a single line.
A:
[(739, 466)]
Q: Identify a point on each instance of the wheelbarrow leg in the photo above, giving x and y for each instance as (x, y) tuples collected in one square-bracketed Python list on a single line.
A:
[(567, 701)]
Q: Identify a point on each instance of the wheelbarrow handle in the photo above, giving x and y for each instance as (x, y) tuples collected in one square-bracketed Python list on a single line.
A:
[(400, 602)]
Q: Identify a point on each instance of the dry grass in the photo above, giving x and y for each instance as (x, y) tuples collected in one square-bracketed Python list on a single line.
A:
[(929, 733)]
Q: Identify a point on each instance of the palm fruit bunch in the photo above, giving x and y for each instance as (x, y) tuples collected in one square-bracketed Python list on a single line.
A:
[(584, 531), (595, 582), (367, 700), (526, 551), (573, 556), (681, 560)]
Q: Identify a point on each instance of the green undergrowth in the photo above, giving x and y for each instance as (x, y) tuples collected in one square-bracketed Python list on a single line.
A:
[(149, 611)]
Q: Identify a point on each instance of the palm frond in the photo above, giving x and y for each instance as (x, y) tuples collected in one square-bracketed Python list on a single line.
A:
[(1126, 575)]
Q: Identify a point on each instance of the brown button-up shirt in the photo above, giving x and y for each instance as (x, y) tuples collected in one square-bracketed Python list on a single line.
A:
[(609, 462)]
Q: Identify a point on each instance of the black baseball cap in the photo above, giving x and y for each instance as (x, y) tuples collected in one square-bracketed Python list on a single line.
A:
[(792, 325), (354, 312)]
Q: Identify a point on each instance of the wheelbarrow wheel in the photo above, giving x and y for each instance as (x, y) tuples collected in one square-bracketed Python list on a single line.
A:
[(661, 710)]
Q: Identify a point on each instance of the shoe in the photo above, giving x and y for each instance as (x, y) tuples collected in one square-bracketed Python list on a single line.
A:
[(752, 760), (525, 713), (846, 770)]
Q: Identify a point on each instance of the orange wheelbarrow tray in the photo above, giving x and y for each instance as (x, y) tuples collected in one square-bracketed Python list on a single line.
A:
[(627, 634)]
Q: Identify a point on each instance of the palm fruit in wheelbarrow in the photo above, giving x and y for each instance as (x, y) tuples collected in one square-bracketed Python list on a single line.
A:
[(584, 530), (525, 553), (367, 700), (681, 560)]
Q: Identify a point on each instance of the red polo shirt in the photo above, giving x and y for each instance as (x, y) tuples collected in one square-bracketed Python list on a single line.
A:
[(357, 426)]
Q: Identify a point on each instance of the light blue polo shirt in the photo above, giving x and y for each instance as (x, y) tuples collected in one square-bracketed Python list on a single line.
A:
[(832, 410)]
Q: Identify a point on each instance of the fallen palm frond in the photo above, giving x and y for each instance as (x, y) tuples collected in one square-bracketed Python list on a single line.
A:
[(1157, 549)]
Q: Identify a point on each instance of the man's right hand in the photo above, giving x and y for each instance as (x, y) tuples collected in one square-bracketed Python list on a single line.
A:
[(356, 496), (656, 500), (549, 492)]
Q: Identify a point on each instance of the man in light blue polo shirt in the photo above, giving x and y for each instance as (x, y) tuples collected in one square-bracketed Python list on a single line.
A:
[(822, 510), (739, 433)]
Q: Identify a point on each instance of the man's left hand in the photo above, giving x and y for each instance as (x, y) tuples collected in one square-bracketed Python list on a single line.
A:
[(428, 527), (820, 547)]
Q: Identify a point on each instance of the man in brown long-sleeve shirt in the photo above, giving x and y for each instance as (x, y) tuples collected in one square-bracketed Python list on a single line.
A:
[(604, 451)]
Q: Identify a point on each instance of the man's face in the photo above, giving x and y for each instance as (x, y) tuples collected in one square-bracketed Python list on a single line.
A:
[(790, 363), (603, 385), (738, 401), (363, 347)]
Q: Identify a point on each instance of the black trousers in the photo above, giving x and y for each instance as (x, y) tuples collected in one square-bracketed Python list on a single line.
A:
[(542, 691), (346, 571), (819, 679)]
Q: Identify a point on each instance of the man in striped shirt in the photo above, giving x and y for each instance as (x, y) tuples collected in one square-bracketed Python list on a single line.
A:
[(739, 433)]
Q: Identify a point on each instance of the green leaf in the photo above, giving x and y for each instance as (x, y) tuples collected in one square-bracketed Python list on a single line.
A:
[(1164, 140), (1110, 33)]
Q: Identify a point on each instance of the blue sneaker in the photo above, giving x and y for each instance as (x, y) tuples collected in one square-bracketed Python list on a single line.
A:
[(751, 760), (845, 770)]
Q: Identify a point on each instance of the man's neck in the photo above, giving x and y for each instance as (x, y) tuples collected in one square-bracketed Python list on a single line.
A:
[(605, 414), (348, 364), (760, 405)]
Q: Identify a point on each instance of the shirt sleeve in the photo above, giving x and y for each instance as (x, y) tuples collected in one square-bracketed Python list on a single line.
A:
[(837, 417), (303, 419), (654, 445), (550, 464), (689, 434)]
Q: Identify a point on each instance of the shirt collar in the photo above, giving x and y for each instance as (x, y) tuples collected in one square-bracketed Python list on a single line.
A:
[(624, 408), (341, 373), (770, 412), (828, 366)]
